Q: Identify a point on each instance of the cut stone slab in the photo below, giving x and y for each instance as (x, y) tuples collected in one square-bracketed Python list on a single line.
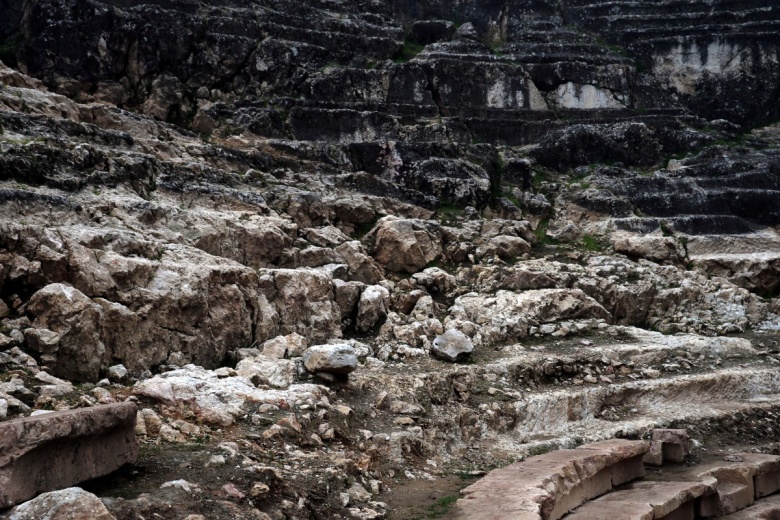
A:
[(764, 509), (740, 479), (59, 449), (67, 504), (647, 501), (548, 486), (667, 446)]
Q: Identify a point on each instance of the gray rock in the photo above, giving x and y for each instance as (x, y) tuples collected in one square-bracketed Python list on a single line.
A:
[(42, 341), (452, 345), (467, 31), (406, 245), (66, 504), (334, 359), (117, 373), (372, 307)]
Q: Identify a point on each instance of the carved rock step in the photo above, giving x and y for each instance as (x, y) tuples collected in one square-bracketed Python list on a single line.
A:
[(764, 509), (652, 403), (741, 479), (59, 449), (548, 486), (647, 501), (679, 6)]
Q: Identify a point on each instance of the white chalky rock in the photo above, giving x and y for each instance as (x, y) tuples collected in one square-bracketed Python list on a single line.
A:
[(452, 345)]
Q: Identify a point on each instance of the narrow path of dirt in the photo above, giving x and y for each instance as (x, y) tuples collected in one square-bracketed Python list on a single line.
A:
[(422, 499)]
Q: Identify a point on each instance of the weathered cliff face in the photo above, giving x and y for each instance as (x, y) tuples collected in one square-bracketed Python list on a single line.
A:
[(243, 201)]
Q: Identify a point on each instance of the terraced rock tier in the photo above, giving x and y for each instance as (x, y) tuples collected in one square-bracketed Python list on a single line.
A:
[(698, 50), (591, 486)]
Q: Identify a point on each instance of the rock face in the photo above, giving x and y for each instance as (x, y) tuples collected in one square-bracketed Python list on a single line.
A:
[(59, 449)]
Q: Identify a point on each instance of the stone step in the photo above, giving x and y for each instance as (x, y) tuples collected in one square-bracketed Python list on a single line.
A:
[(741, 479), (765, 241), (753, 31), (689, 224), (548, 486), (700, 7), (646, 501), (653, 6), (687, 21), (764, 509), (567, 414)]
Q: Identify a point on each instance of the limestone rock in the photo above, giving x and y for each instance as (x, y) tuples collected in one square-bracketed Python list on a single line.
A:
[(655, 248), (406, 245), (117, 373), (216, 400), (507, 314), (335, 359), (278, 373), (347, 297), (61, 449), (453, 345), (362, 268), (67, 504), (372, 307), (508, 247), (304, 303), (76, 319), (291, 345), (42, 341)]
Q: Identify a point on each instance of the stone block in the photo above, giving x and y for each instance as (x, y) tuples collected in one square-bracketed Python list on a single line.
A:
[(59, 449), (548, 486), (645, 501)]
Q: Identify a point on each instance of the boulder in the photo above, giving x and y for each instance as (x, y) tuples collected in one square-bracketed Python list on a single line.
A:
[(66, 311), (67, 504), (334, 359), (304, 303), (436, 280), (362, 268), (656, 248), (508, 247), (452, 345), (291, 345), (262, 371), (406, 245), (219, 401), (372, 308), (347, 296), (60, 449)]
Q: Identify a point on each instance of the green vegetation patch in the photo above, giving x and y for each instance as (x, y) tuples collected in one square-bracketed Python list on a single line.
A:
[(408, 51), (440, 508), (591, 243), (10, 48)]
